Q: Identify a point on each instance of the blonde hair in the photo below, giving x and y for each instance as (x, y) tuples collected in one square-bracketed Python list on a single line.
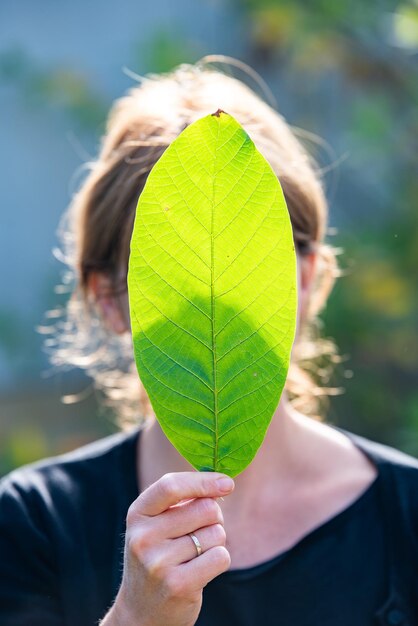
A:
[(99, 222)]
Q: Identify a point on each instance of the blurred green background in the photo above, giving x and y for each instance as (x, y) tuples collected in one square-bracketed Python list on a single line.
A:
[(345, 71)]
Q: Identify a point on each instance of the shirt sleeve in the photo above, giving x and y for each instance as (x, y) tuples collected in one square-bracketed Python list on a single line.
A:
[(28, 576)]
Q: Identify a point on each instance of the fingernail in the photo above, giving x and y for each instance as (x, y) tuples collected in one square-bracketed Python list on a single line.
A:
[(225, 484)]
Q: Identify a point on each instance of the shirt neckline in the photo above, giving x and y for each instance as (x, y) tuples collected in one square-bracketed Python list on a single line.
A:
[(330, 524)]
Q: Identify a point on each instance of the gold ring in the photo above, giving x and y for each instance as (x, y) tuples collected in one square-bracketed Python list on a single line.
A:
[(197, 543)]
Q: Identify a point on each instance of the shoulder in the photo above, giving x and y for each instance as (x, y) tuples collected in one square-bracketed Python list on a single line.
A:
[(61, 523), (382, 454), (398, 475), (70, 477)]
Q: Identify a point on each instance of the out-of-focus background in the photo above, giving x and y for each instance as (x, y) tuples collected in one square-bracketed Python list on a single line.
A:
[(346, 71)]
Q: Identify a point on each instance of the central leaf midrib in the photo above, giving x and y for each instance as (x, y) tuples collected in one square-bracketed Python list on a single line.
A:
[(212, 298)]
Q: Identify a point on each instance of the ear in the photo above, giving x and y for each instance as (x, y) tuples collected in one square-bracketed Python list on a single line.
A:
[(101, 287), (307, 269)]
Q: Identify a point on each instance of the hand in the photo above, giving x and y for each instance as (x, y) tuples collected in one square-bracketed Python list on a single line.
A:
[(163, 577)]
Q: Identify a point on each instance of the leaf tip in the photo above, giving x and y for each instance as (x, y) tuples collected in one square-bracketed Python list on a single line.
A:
[(218, 113)]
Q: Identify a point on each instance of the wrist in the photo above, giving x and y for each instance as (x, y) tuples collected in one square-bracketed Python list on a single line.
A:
[(118, 615)]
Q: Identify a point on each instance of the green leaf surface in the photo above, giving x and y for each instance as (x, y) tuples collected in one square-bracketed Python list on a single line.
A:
[(212, 292)]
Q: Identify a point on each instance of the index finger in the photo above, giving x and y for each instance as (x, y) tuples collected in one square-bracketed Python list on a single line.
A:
[(171, 489)]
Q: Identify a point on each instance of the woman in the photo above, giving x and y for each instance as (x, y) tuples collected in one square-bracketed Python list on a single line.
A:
[(321, 528)]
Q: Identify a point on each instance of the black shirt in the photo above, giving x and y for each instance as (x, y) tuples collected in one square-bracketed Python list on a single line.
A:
[(62, 525)]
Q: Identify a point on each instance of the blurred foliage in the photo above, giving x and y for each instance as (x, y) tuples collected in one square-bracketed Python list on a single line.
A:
[(40, 425), (164, 50), (61, 88), (10, 332), (373, 316), (404, 26)]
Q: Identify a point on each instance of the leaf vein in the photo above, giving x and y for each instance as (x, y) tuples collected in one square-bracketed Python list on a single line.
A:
[(255, 331), (245, 246), (172, 321), (174, 289), (164, 384), (159, 245)]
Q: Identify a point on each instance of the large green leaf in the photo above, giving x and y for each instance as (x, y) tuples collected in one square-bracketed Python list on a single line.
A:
[(212, 289)]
